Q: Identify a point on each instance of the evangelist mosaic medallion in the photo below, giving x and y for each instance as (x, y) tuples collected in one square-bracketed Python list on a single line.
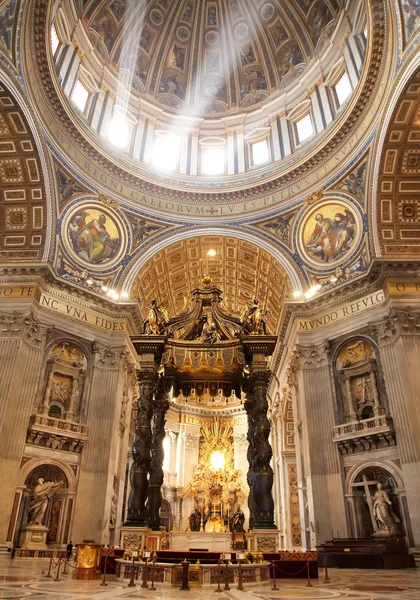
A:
[(330, 232), (94, 235)]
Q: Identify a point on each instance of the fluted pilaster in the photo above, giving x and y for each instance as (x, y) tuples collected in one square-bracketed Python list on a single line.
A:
[(22, 343), (398, 337)]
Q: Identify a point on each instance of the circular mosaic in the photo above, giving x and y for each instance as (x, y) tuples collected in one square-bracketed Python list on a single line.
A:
[(212, 37), (241, 31), (330, 232), (183, 34), (156, 16), (267, 11), (94, 235)]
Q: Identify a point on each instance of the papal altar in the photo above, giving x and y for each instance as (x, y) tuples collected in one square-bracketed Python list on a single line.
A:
[(201, 540)]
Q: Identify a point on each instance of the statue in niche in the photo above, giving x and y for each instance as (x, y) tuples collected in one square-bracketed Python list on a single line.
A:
[(38, 505), (385, 517), (157, 319), (252, 318), (357, 368), (194, 520)]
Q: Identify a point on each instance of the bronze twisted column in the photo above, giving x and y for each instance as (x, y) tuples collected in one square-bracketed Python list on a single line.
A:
[(141, 449), (161, 404), (260, 474)]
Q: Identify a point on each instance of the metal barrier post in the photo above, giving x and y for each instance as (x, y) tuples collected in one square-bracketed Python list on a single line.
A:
[(185, 575), (227, 586), (49, 569), (219, 578), (65, 564), (240, 584), (58, 570), (309, 584), (103, 581), (326, 579), (152, 587), (274, 577), (131, 582), (145, 574)]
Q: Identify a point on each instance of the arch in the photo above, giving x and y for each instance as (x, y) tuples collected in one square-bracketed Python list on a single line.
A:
[(378, 150), (198, 231), (34, 463), (42, 155), (387, 465)]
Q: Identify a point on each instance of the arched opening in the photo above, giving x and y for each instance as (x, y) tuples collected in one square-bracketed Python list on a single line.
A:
[(376, 503), (45, 510)]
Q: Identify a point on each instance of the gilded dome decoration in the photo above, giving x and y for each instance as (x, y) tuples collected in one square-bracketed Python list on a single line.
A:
[(209, 57)]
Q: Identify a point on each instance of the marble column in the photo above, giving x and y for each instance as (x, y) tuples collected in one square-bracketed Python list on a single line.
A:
[(399, 349), (260, 474), (321, 461), (98, 462), (154, 501), (22, 345), (142, 449)]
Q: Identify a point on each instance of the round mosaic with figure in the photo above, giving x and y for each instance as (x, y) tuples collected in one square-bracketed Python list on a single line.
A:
[(330, 232), (95, 235)]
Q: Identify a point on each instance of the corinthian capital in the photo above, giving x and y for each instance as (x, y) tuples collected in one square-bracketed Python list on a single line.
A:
[(313, 357), (396, 323), (16, 325)]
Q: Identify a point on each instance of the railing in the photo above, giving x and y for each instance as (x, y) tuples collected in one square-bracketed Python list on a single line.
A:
[(365, 427), (63, 425)]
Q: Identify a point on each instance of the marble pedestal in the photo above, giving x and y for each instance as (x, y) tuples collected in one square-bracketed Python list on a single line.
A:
[(200, 540), (134, 538), (34, 537), (263, 540)]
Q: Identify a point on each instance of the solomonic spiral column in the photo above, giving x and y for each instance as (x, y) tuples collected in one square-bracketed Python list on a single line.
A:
[(142, 449), (260, 474), (154, 502)]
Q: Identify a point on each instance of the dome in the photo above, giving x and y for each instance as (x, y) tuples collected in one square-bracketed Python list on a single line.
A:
[(208, 58), (181, 92)]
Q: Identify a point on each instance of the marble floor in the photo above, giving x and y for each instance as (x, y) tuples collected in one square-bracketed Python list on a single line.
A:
[(23, 578)]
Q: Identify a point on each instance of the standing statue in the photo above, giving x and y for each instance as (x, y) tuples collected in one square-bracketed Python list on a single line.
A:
[(195, 520), (38, 505), (252, 318), (238, 521), (383, 513), (157, 319)]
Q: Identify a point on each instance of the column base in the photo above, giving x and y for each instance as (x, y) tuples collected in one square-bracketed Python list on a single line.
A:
[(134, 538), (263, 540), (34, 537)]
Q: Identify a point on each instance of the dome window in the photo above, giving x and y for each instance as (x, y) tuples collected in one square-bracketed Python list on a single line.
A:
[(304, 128), (55, 42), (213, 160), (165, 151), (80, 96), (343, 88), (118, 131), (260, 152)]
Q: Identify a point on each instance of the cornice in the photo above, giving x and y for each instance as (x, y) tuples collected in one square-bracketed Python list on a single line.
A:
[(43, 275)]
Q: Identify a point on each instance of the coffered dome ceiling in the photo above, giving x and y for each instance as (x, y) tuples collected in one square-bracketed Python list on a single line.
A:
[(239, 268), (209, 56)]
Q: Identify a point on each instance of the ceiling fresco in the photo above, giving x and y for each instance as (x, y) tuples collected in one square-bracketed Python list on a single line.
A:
[(240, 269), (212, 55), (398, 204), (23, 207)]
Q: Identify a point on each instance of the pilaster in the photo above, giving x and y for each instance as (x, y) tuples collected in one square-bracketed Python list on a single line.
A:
[(22, 344), (321, 462), (98, 464), (398, 337)]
